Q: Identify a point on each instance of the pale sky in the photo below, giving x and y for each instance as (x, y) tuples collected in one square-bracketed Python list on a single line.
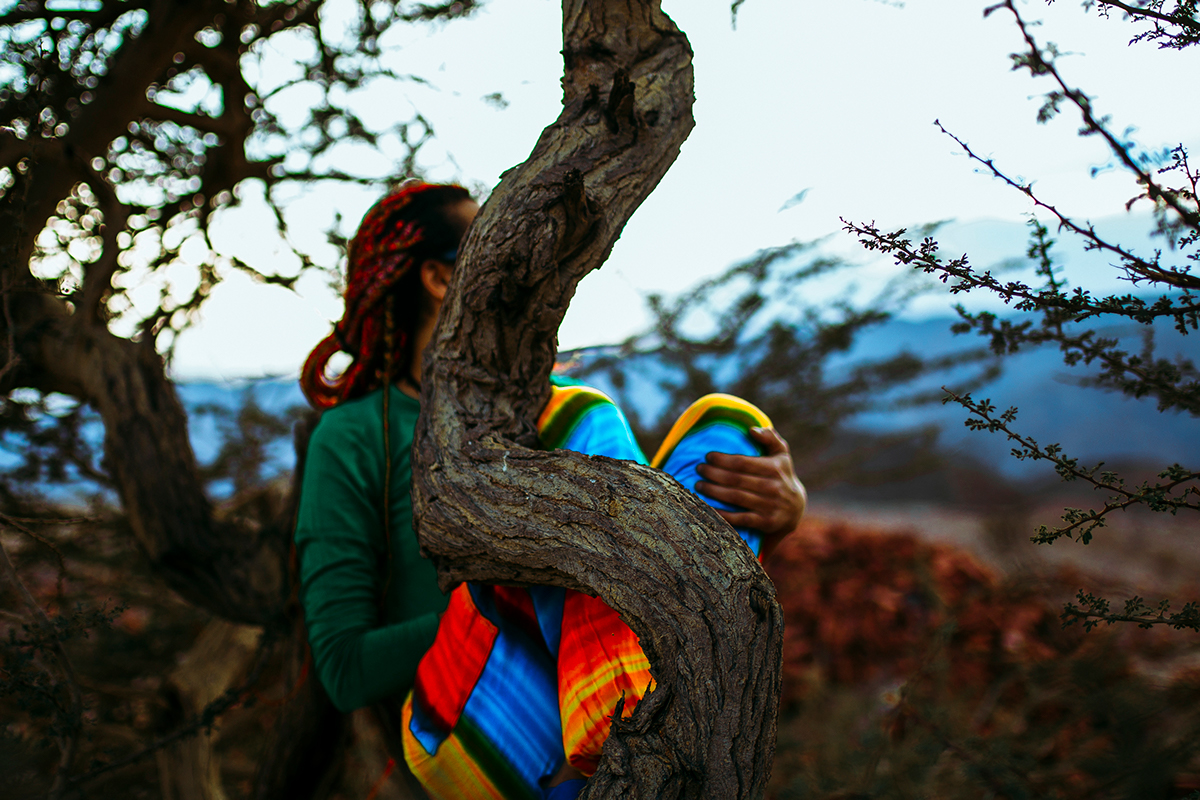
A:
[(836, 98)]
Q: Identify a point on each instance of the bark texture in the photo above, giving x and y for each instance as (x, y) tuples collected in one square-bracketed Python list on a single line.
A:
[(493, 509)]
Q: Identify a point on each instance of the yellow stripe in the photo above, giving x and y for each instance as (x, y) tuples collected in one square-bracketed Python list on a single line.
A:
[(558, 396), (697, 410), (579, 689), (586, 716), (451, 774)]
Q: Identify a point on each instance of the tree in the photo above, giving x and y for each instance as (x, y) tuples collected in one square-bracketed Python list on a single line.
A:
[(1054, 314), (110, 170), (107, 168)]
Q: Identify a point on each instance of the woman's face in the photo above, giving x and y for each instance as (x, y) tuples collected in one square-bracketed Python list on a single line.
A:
[(460, 215)]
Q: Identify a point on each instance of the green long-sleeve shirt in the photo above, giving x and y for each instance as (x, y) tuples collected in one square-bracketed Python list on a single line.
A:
[(359, 657)]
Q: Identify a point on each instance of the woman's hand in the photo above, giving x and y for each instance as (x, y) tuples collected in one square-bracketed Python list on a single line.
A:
[(765, 486)]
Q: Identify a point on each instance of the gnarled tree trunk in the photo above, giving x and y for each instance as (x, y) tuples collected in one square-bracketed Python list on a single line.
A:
[(492, 508)]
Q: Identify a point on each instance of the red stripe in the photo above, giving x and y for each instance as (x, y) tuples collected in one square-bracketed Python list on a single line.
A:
[(447, 674)]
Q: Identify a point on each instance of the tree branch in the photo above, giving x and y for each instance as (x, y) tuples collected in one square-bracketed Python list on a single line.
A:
[(491, 508), (1082, 523), (1093, 610), (97, 277), (1133, 262), (1146, 12), (1039, 65)]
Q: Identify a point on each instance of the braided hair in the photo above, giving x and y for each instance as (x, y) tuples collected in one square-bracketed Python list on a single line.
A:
[(383, 291)]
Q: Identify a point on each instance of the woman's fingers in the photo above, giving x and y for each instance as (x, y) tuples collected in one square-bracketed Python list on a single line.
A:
[(745, 465), (771, 440), (750, 482), (736, 497)]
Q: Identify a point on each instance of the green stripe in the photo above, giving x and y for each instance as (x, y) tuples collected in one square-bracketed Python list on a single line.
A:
[(566, 419), (492, 763), (718, 415)]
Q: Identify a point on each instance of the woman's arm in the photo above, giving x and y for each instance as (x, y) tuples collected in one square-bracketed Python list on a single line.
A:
[(339, 543)]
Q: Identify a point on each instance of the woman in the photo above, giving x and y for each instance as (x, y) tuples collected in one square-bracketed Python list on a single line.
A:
[(378, 625)]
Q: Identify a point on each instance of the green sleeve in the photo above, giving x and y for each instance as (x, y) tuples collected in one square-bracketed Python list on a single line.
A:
[(339, 542)]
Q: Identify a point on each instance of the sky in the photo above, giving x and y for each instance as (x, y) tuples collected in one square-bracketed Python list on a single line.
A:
[(834, 102)]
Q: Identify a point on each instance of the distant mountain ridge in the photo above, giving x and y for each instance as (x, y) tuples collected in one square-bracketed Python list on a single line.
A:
[(1091, 424)]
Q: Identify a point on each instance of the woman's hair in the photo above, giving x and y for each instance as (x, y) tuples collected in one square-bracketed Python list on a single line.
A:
[(383, 290)]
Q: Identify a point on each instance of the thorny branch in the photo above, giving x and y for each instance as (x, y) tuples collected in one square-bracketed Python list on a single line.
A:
[(1183, 16), (1079, 305), (1179, 489), (1175, 384), (1035, 60), (1093, 610), (1136, 267)]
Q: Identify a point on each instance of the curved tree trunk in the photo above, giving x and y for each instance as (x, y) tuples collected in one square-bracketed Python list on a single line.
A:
[(491, 508), (219, 565)]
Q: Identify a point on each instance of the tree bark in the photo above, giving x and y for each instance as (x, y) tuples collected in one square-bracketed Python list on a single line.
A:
[(492, 508), (191, 769)]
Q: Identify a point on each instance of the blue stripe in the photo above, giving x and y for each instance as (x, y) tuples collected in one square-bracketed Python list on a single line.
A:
[(604, 431), (515, 706), (718, 437)]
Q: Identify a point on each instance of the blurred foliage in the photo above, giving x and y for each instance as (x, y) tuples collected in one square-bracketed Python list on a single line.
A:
[(755, 331), (124, 631), (913, 671)]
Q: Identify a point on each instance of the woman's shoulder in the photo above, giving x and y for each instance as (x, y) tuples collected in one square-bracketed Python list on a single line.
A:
[(352, 416), (361, 419)]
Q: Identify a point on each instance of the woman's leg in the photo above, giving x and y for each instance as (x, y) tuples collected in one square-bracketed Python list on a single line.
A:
[(599, 659), (716, 423)]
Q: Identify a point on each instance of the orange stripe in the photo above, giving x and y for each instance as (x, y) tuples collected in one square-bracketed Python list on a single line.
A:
[(600, 661)]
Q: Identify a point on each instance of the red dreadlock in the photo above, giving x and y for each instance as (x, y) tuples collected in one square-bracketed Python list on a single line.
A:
[(399, 232)]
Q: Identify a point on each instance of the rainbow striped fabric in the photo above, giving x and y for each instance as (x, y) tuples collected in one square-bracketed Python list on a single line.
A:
[(520, 680)]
